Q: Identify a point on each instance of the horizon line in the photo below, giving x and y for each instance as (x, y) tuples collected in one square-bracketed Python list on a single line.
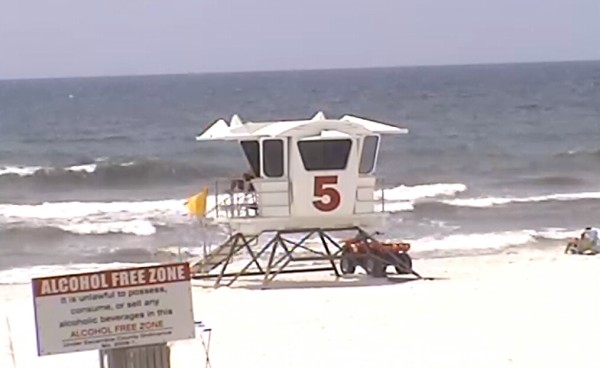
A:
[(320, 69)]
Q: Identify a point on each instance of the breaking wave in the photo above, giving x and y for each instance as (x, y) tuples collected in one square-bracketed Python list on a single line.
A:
[(136, 218), (493, 240), (403, 198), (142, 217), (133, 227), (145, 218), (109, 174), (411, 193), (484, 202), (19, 170)]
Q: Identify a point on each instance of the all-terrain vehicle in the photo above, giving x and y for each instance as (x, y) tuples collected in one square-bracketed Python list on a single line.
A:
[(375, 256)]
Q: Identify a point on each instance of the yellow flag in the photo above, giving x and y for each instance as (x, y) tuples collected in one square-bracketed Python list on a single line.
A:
[(196, 204)]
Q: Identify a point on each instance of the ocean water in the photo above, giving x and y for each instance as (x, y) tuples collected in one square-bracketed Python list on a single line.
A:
[(95, 170)]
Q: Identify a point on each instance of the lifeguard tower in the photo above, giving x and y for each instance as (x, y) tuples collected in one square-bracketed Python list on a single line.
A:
[(308, 179)]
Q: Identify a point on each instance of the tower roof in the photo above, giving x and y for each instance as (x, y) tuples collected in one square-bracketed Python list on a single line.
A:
[(318, 125)]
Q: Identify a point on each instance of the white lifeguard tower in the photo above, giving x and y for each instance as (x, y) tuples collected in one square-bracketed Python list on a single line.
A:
[(310, 177)]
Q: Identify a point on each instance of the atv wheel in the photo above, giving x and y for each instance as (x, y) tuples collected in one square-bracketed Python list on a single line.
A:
[(404, 265), (347, 265), (375, 267)]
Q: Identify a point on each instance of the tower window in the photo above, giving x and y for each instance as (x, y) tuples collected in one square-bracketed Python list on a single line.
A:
[(329, 154), (252, 155), (368, 154), (273, 158)]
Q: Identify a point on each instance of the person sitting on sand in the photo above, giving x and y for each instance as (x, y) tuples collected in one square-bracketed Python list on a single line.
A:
[(589, 242)]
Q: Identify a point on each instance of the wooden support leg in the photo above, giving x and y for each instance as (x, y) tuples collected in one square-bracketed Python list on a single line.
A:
[(248, 247), (288, 257), (254, 260), (232, 251), (271, 257), (331, 260)]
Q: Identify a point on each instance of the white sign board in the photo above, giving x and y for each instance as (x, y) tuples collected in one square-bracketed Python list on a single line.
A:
[(113, 309)]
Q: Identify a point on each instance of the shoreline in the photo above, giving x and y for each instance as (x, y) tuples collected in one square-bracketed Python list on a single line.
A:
[(22, 274)]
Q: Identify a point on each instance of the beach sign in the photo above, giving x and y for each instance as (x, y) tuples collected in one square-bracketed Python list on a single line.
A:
[(113, 308)]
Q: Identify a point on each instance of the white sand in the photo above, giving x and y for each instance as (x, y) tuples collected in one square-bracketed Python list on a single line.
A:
[(525, 309)]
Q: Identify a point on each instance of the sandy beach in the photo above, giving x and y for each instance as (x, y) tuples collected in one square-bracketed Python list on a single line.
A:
[(519, 308)]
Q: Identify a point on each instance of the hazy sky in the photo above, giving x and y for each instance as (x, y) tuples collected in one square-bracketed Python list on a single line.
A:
[(118, 37)]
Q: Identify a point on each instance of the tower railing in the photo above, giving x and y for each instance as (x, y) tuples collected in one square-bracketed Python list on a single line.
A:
[(235, 198)]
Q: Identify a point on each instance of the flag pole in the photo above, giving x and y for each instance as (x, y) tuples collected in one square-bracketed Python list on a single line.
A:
[(10, 343)]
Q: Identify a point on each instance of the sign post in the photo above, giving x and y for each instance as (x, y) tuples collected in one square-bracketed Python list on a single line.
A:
[(113, 309)]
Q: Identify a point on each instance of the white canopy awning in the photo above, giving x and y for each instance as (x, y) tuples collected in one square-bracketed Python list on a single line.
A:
[(348, 124)]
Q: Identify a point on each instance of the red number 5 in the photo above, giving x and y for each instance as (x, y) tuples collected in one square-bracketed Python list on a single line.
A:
[(322, 191)]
